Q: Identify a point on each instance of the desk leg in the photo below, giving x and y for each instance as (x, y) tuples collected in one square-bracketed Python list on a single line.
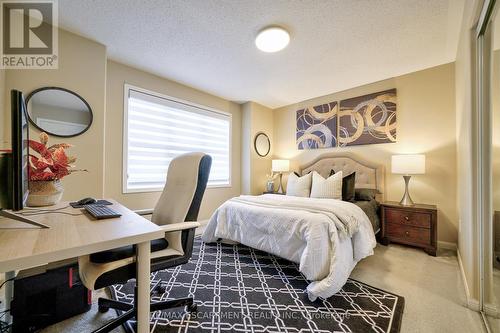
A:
[(143, 286)]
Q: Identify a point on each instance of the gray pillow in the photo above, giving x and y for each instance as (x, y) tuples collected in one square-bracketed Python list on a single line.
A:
[(348, 183), (365, 194)]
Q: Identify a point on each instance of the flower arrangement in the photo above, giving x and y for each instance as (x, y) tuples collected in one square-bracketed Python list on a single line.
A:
[(52, 163), (270, 181), (271, 177)]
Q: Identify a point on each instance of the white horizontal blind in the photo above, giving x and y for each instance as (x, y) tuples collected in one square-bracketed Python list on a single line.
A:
[(159, 129)]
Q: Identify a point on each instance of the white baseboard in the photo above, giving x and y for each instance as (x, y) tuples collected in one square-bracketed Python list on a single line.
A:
[(447, 245), (471, 303), (492, 310)]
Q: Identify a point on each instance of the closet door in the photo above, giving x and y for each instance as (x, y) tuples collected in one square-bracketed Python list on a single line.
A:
[(492, 226), (488, 107)]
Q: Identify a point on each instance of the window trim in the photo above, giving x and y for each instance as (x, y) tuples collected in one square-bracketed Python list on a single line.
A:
[(126, 89)]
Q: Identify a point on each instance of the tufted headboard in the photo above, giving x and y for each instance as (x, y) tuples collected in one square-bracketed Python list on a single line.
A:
[(368, 174)]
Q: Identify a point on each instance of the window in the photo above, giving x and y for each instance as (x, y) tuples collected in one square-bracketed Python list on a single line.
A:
[(158, 128)]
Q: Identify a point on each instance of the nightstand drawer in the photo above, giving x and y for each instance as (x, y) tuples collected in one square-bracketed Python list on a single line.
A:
[(408, 234), (414, 219)]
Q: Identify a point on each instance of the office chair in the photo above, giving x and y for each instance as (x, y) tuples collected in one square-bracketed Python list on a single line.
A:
[(178, 205)]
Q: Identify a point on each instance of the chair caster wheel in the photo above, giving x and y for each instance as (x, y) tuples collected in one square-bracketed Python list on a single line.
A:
[(102, 309), (192, 308), (161, 289)]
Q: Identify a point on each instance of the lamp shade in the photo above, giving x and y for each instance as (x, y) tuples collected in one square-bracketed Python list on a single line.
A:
[(281, 165), (408, 164)]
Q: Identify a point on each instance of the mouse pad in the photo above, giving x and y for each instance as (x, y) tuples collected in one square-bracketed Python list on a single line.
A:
[(99, 202)]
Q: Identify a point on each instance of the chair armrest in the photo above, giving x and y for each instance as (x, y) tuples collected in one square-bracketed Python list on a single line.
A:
[(179, 226)]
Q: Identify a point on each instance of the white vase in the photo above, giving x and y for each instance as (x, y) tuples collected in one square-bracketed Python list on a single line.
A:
[(44, 193), (270, 186)]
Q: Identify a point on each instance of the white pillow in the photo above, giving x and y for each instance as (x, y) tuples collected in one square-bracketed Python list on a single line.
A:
[(330, 188), (298, 186)]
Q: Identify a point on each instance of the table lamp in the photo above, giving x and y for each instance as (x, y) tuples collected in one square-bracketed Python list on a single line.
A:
[(280, 166), (408, 165)]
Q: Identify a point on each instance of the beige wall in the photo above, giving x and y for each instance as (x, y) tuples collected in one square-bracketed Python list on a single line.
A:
[(256, 119), (3, 111), (246, 144), (119, 74), (426, 124), (82, 68)]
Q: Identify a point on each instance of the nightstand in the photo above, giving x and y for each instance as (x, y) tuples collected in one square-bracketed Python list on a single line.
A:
[(411, 225)]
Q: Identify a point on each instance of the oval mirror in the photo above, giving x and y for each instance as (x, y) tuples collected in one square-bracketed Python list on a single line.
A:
[(262, 144), (58, 111)]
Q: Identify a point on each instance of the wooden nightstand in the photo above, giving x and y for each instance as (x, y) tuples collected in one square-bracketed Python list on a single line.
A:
[(410, 225)]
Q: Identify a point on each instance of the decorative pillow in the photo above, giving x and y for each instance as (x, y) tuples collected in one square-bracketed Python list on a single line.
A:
[(298, 186), (330, 188), (297, 174), (348, 186), (366, 194)]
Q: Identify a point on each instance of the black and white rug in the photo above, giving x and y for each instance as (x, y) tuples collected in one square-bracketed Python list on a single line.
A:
[(239, 289)]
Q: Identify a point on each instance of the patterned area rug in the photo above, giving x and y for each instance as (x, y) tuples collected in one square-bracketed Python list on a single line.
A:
[(239, 289)]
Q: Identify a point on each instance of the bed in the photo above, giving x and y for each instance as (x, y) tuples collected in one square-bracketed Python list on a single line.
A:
[(325, 237)]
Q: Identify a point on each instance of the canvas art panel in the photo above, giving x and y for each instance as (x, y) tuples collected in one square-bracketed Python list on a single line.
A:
[(368, 119), (317, 126)]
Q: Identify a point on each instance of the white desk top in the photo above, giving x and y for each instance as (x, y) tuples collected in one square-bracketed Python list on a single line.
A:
[(69, 236)]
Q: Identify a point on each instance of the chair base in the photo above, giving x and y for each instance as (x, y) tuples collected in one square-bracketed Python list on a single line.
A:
[(105, 304)]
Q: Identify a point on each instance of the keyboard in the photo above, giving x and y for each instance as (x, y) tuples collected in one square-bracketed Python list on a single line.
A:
[(101, 212)]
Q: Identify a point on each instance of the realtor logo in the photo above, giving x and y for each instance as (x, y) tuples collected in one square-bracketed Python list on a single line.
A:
[(29, 36)]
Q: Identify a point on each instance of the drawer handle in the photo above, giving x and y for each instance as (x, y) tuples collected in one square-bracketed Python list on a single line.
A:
[(407, 233), (407, 218)]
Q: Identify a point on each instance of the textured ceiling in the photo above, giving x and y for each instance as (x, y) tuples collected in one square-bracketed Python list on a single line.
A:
[(208, 44)]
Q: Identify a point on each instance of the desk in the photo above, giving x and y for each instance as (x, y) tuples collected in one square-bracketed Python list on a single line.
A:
[(73, 236)]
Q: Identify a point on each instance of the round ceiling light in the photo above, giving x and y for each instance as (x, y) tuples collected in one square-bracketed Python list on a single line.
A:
[(272, 39)]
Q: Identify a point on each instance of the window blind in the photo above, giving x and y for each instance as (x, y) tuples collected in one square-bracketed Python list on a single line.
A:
[(157, 129)]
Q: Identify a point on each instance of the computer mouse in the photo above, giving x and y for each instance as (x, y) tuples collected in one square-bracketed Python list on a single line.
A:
[(87, 201)]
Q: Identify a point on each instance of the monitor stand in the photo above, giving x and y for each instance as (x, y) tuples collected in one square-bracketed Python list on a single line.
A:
[(13, 216)]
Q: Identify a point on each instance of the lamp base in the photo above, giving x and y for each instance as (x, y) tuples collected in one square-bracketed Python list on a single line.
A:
[(406, 200), (280, 189)]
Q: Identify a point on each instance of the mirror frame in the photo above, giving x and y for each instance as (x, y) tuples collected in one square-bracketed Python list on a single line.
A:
[(255, 144), (68, 91)]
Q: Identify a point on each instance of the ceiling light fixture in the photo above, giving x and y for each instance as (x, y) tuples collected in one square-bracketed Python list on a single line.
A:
[(272, 39)]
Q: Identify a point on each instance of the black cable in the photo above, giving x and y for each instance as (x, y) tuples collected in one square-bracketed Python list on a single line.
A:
[(46, 210), (50, 212), (38, 211), (1, 285)]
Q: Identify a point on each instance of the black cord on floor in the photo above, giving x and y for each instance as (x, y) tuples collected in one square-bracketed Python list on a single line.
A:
[(4, 326), (1, 285)]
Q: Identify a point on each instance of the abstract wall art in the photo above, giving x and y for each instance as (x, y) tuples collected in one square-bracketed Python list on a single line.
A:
[(317, 126), (368, 119)]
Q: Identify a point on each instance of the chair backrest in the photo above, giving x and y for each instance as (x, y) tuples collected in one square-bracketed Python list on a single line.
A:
[(187, 179), (181, 198)]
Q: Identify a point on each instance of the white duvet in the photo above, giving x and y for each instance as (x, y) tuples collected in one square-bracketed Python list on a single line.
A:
[(326, 237)]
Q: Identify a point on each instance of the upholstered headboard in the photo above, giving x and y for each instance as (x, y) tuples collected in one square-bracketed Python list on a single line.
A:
[(368, 174)]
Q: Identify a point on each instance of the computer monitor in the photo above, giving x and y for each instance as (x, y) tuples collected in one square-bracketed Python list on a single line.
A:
[(17, 162), (20, 163)]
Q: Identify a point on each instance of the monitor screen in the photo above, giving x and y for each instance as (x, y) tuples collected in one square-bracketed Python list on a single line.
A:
[(20, 150), (25, 152)]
